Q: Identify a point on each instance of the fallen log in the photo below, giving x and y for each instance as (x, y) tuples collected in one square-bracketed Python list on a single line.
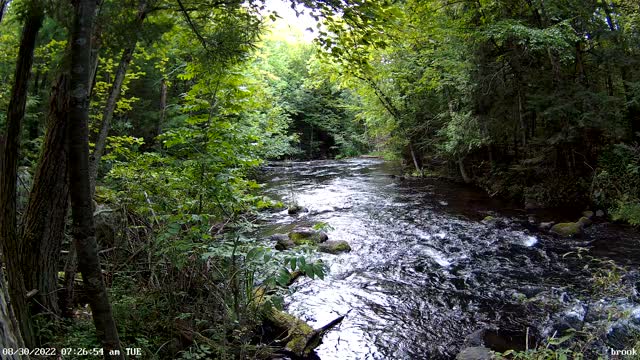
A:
[(298, 339)]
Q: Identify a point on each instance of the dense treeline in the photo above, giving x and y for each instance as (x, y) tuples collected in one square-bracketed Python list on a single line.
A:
[(143, 121), (535, 101)]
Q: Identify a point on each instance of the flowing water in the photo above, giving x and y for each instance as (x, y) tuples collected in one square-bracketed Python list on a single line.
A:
[(425, 271)]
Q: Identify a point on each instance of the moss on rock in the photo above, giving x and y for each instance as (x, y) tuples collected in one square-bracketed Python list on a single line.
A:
[(334, 247), (567, 229), (302, 236), (585, 221)]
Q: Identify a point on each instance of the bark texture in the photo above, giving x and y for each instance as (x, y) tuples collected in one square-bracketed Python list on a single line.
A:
[(81, 204), (46, 212), (12, 248), (9, 334)]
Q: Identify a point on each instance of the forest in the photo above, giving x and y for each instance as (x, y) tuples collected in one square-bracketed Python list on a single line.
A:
[(134, 137)]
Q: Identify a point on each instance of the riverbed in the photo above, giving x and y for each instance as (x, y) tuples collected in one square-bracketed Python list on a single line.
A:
[(426, 272)]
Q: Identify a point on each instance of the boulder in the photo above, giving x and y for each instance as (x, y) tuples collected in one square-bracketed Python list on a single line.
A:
[(494, 222), (599, 213), (282, 241), (278, 237), (567, 229), (585, 221), (296, 209), (546, 225), (301, 236), (334, 247), (475, 353)]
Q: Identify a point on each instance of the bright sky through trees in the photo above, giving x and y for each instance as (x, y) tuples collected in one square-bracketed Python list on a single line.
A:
[(290, 27)]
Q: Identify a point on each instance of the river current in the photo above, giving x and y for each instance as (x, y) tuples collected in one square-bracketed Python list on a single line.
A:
[(425, 272)]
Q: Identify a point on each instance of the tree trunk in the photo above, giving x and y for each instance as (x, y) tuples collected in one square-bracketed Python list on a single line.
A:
[(163, 105), (114, 93), (9, 333), (81, 204), (96, 45), (463, 172), (3, 7), (70, 270), (46, 212), (523, 125), (11, 244), (415, 159)]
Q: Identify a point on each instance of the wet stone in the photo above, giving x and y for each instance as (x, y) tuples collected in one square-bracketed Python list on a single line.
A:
[(567, 229), (296, 209), (546, 225), (284, 243), (302, 236), (334, 247), (585, 221)]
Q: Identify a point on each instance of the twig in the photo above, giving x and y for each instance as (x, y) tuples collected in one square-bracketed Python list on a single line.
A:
[(32, 293), (106, 250)]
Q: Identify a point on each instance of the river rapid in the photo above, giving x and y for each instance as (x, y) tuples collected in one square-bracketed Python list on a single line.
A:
[(427, 277)]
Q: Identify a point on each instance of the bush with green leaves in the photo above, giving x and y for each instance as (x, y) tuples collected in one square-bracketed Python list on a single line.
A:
[(617, 182)]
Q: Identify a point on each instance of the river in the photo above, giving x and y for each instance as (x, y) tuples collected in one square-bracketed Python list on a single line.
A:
[(425, 271)]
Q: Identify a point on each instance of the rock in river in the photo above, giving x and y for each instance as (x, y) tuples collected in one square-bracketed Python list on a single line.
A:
[(334, 247), (296, 209), (301, 236), (545, 225), (282, 241), (585, 221), (567, 229)]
